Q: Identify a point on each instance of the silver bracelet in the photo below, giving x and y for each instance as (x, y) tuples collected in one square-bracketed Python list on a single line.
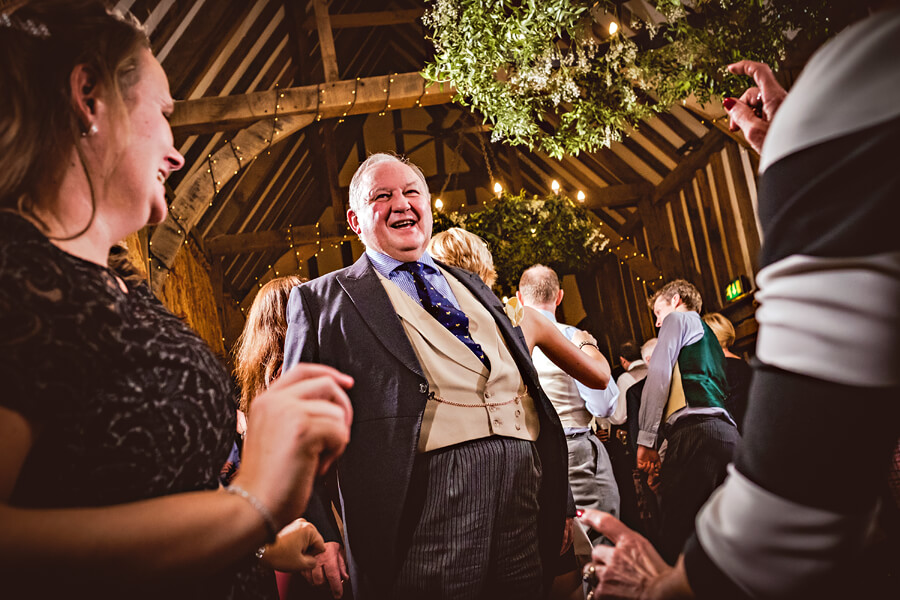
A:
[(587, 343), (268, 519)]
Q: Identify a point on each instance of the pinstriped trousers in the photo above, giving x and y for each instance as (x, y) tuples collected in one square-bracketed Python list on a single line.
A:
[(470, 523)]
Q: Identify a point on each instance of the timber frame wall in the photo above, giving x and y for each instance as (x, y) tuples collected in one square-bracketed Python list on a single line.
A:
[(705, 231)]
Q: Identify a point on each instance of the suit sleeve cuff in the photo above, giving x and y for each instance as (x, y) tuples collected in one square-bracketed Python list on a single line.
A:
[(646, 438)]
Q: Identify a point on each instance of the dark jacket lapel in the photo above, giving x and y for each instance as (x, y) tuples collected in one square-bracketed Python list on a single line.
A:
[(367, 293)]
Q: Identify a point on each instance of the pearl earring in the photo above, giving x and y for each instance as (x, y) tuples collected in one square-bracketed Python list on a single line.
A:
[(90, 131)]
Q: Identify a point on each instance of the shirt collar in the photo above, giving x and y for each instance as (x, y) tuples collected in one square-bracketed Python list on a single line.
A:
[(547, 313), (385, 264), (636, 363)]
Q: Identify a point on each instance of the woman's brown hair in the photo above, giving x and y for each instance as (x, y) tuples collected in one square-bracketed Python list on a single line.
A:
[(259, 351), (41, 42)]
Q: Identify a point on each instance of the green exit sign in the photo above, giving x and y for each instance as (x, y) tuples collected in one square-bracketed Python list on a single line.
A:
[(737, 288)]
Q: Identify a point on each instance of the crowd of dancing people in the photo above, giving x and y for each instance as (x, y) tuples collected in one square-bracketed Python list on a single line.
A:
[(400, 432)]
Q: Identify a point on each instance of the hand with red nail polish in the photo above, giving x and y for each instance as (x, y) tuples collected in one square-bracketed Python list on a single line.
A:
[(752, 112)]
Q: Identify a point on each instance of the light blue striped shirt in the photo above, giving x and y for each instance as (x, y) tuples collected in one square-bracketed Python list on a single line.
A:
[(386, 267)]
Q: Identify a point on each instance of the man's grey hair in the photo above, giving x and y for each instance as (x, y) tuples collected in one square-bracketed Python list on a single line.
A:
[(539, 285), (358, 194), (647, 349)]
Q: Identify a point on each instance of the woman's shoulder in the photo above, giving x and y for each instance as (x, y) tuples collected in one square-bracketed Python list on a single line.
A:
[(43, 290), (738, 366), (27, 262)]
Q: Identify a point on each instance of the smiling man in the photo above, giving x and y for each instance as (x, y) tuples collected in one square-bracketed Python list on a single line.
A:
[(454, 482)]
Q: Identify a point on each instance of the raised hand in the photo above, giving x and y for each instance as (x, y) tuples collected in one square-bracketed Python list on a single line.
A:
[(298, 427), (752, 112)]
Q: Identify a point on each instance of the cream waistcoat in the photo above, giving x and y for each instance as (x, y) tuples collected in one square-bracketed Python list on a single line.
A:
[(466, 401)]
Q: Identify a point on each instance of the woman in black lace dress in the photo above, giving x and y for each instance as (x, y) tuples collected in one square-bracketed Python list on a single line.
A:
[(115, 418)]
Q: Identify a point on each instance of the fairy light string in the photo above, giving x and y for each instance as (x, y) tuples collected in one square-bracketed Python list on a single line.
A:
[(387, 98), (352, 102)]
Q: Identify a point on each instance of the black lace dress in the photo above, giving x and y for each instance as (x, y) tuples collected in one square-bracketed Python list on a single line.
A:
[(127, 402)]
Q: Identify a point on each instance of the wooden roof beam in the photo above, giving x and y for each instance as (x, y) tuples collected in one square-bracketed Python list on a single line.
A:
[(625, 194), (326, 41), (627, 252), (195, 193), (328, 100), (300, 48), (330, 67), (711, 143), (370, 19), (282, 239)]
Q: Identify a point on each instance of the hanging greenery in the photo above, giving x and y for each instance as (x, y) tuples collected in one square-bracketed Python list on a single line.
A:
[(548, 74), (522, 230)]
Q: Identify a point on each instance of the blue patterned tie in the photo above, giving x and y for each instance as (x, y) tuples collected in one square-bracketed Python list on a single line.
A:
[(442, 309)]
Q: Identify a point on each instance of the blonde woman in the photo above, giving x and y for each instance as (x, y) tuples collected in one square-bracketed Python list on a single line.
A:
[(737, 371)]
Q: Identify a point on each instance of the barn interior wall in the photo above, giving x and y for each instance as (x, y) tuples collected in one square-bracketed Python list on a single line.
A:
[(188, 290), (705, 232)]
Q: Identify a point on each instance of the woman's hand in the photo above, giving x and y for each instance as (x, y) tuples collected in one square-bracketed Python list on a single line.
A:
[(583, 336), (295, 548), (632, 568), (752, 112), (299, 426)]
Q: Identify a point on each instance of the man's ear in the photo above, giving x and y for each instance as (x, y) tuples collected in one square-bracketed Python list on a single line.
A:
[(676, 299), (559, 297), (519, 297), (84, 92), (353, 221)]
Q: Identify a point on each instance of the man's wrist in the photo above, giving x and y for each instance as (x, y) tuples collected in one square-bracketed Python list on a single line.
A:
[(646, 438)]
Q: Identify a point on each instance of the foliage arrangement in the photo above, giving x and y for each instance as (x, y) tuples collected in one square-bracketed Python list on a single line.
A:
[(522, 230), (537, 70)]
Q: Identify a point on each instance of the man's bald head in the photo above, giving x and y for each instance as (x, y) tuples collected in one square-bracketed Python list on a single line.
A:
[(539, 285)]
